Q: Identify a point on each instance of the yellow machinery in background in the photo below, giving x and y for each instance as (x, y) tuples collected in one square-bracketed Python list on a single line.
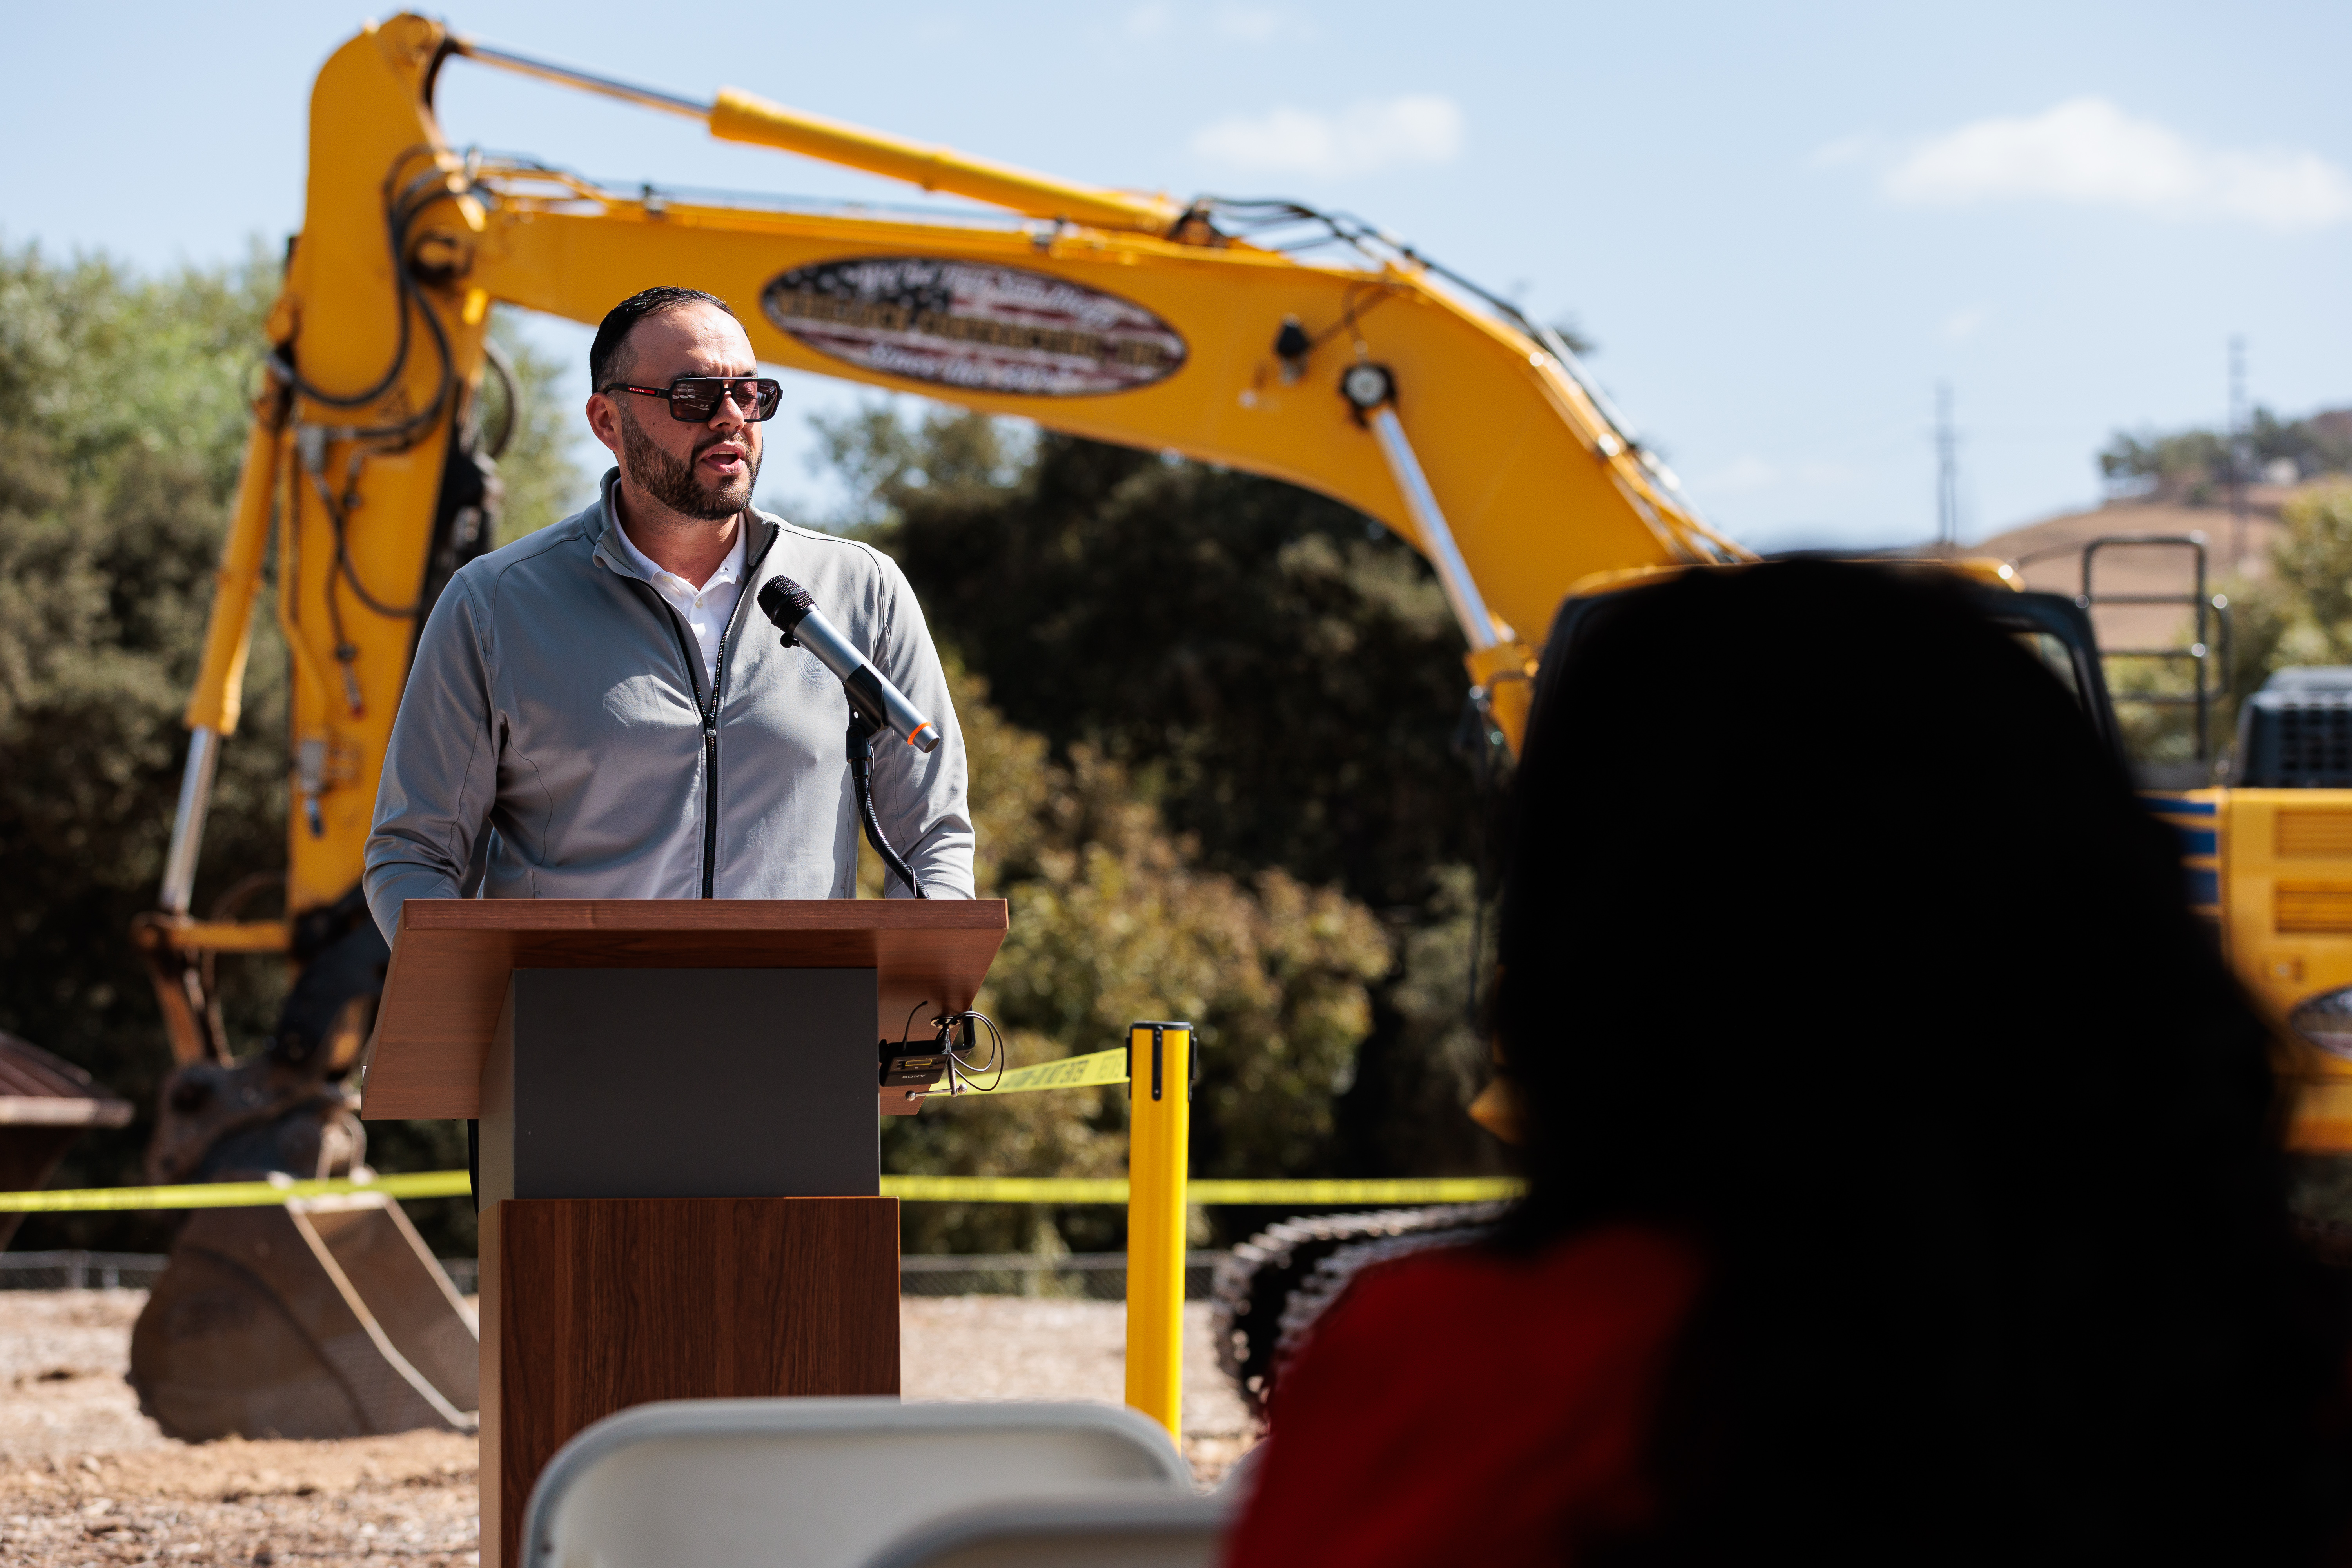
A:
[(1377, 379), (1467, 429), (2264, 826), (1263, 336), (2271, 869)]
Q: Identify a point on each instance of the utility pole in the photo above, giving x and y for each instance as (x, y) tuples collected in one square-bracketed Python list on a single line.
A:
[(1948, 471), (2239, 458)]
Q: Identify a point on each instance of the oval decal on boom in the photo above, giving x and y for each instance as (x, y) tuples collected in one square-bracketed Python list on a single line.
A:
[(981, 328)]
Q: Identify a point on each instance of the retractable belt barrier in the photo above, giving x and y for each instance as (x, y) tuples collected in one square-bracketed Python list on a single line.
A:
[(1070, 1072)]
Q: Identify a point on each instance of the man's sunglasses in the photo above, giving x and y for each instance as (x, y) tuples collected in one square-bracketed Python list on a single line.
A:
[(695, 398)]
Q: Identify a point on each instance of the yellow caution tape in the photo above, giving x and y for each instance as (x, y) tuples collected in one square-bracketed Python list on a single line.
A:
[(1113, 1190), (913, 1189), (231, 1195), (1070, 1072), (1006, 1189)]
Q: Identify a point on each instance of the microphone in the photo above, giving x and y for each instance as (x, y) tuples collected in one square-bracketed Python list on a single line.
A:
[(788, 604)]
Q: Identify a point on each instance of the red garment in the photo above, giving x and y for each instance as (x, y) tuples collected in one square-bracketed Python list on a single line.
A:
[(1468, 1407)]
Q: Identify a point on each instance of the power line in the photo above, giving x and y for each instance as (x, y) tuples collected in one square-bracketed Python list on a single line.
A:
[(1948, 470), (2241, 456)]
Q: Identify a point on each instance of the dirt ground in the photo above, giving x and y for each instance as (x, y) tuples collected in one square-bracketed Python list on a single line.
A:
[(86, 1480), (999, 1347)]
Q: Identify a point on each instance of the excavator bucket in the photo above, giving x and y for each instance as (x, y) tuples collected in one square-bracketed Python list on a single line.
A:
[(320, 1317)]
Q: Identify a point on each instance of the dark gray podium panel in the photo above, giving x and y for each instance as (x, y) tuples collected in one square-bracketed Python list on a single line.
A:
[(682, 1083)]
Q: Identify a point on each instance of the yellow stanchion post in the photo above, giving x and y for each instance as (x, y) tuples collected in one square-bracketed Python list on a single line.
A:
[(1158, 1130)]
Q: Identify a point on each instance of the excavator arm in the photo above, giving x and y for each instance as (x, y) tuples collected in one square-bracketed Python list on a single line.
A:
[(1222, 330), (1376, 380)]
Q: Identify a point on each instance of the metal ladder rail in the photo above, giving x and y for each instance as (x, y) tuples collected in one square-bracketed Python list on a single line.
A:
[(2210, 677)]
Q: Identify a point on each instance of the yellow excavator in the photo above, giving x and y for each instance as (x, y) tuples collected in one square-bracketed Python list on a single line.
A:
[(1304, 345)]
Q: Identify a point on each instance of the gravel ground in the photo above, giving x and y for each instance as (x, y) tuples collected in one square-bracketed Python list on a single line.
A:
[(86, 1480), (1002, 1347)]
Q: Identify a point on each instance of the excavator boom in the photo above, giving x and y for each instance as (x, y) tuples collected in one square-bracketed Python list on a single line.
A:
[(1125, 318), (1207, 329)]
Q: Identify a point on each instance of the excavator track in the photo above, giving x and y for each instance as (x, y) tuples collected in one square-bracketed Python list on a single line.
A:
[(1270, 1290)]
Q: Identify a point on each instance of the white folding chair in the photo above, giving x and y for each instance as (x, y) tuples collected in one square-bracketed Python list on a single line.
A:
[(1148, 1530), (818, 1483)]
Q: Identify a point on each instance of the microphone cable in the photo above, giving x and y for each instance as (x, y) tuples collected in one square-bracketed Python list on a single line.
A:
[(861, 774), (960, 1064)]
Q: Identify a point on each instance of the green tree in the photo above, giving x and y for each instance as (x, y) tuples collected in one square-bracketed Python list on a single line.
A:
[(2299, 614), (1278, 675), (1113, 920), (124, 403), (2192, 464), (2185, 465), (2302, 612), (122, 413)]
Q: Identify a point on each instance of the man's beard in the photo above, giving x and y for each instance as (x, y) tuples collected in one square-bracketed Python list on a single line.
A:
[(675, 484)]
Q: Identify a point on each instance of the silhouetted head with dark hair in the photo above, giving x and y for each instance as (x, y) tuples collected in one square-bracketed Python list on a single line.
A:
[(1834, 940)]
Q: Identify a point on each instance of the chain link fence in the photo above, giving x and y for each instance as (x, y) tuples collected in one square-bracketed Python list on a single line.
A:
[(134, 1271), (80, 1270), (1074, 1277)]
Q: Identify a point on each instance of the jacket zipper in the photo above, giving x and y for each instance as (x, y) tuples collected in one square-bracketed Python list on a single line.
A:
[(708, 707)]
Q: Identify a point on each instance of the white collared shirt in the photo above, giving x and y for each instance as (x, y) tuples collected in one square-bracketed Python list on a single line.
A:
[(706, 610)]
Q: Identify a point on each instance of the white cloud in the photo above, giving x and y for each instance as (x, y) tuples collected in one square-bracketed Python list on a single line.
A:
[(1148, 21), (2088, 151), (1419, 130)]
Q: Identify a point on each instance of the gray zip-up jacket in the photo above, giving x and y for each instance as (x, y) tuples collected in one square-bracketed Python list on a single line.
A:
[(557, 703)]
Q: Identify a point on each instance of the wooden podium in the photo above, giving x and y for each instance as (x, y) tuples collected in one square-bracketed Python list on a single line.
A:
[(679, 1182)]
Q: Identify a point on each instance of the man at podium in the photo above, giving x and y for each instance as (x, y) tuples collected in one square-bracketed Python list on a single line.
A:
[(599, 709)]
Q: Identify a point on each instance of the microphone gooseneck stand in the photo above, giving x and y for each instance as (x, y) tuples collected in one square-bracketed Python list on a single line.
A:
[(874, 703), (862, 731)]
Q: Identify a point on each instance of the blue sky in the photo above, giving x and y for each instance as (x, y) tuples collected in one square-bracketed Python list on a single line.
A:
[(1784, 224)]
